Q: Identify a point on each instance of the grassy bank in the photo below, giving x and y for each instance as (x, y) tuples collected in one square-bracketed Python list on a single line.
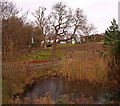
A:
[(15, 78), (43, 54)]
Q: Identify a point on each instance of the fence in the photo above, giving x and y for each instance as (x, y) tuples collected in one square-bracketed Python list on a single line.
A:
[(32, 65)]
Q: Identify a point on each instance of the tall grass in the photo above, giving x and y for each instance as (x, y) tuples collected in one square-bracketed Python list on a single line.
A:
[(85, 66)]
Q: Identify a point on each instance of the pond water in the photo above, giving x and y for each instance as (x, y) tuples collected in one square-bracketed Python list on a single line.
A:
[(59, 86)]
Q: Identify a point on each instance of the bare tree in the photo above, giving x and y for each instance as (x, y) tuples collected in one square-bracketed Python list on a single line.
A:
[(59, 22), (64, 24), (15, 32), (41, 23), (8, 9), (89, 29), (80, 22)]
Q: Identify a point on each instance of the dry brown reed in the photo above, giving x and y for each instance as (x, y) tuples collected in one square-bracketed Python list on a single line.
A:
[(85, 66), (44, 100), (48, 100)]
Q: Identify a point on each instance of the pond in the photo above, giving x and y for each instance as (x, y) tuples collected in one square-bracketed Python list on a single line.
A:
[(59, 86)]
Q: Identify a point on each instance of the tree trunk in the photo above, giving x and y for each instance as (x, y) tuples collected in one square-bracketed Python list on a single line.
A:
[(75, 40), (54, 48), (44, 44)]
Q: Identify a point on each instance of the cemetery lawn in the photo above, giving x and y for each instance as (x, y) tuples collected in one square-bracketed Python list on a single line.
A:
[(42, 55), (61, 51)]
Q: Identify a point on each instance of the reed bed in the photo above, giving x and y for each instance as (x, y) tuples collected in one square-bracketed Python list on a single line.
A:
[(85, 66)]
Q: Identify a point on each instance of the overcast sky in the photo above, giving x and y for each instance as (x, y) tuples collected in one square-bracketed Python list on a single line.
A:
[(99, 12)]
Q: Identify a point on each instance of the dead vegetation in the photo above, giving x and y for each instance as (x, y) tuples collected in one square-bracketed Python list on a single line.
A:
[(64, 99), (85, 66)]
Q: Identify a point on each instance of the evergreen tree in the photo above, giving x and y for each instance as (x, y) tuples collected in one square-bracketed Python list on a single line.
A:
[(112, 50), (112, 39)]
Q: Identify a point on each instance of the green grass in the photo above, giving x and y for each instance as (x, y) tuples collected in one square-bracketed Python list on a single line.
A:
[(45, 54), (67, 45), (5, 93), (100, 42), (61, 101), (39, 55)]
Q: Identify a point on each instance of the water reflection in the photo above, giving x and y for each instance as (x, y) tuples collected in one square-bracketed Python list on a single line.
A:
[(59, 86)]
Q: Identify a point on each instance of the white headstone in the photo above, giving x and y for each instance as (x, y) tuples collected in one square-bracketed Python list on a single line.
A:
[(119, 14), (32, 40)]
